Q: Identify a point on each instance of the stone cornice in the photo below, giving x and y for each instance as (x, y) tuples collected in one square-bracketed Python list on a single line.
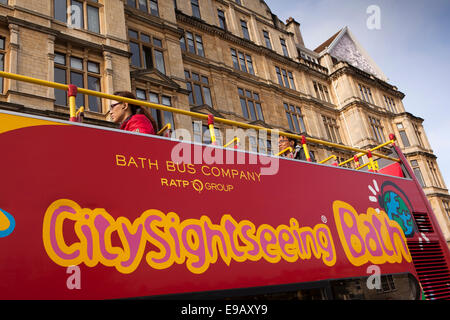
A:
[(351, 70), (152, 20), (420, 153), (409, 115), (65, 37), (444, 194), (206, 109), (358, 103), (251, 46)]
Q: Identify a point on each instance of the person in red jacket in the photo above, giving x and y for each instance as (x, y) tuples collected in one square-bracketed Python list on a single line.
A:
[(131, 117)]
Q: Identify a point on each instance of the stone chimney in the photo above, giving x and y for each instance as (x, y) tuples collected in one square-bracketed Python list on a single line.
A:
[(294, 27)]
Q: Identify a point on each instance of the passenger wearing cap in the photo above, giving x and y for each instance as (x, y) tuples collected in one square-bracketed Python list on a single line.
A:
[(130, 116)]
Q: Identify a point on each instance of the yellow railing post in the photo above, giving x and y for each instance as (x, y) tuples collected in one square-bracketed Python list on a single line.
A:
[(211, 129), (356, 159), (72, 94), (371, 162), (305, 149)]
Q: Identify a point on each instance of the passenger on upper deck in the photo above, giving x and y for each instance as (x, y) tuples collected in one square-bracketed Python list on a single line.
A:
[(131, 117), (297, 150)]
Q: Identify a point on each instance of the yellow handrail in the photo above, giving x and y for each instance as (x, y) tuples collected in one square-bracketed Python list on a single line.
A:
[(330, 157), (373, 149), (80, 110), (166, 127), (184, 112), (283, 151), (235, 139)]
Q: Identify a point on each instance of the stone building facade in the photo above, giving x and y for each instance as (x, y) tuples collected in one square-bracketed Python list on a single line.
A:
[(232, 58)]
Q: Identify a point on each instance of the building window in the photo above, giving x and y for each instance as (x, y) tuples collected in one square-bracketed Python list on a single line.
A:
[(2, 60), (161, 117), (446, 208), (146, 51), (199, 89), (239, 2), (193, 43), (244, 28), (390, 104), (366, 93), (264, 146), (222, 21), (203, 135), (81, 72), (285, 78), (434, 174), (418, 134), (403, 135), (295, 118), (417, 172), (387, 284), (242, 61), (84, 14), (250, 104), (195, 9), (332, 129), (150, 6), (307, 57), (267, 40), (4, 1), (154, 7), (284, 47), (321, 91), (377, 129)]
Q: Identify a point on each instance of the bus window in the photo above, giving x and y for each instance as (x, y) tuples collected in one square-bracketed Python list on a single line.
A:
[(391, 287), (317, 293)]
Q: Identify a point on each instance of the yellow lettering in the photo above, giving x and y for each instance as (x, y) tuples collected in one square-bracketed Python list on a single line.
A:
[(203, 171), (120, 160), (131, 161), (150, 164), (170, 166)]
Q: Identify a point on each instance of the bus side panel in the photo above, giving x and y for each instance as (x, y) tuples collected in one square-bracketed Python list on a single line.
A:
[(97, 214)]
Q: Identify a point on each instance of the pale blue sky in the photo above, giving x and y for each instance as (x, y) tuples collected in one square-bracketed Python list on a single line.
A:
[(412, 47)]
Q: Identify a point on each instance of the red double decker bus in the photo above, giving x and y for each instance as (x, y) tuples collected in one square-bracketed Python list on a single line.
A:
[(97, 213)]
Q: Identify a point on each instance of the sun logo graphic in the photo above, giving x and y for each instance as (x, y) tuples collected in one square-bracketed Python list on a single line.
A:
[(7, 223), (395, 203)]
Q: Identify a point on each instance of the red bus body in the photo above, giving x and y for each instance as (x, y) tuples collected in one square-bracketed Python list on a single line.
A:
[(136, 224)]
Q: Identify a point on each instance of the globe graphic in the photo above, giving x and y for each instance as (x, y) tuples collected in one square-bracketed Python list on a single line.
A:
[(398, 211)]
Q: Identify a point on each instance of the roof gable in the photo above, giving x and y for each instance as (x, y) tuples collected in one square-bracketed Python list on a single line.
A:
[(344, 46)]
